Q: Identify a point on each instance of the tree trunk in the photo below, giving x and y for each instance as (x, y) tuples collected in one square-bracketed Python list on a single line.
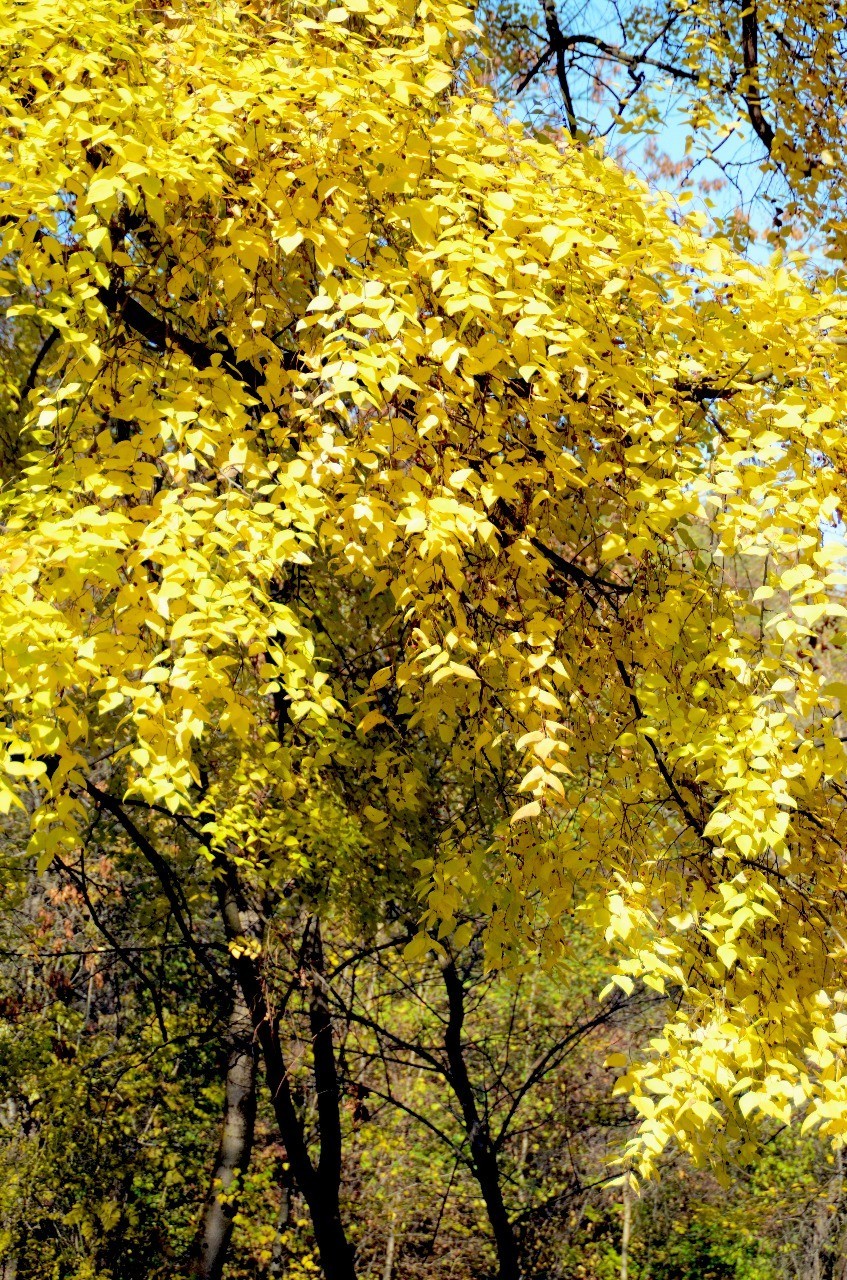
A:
[(319, 1185), (483, 1152), (280, 1247), (388, 1266), (328, 1172), (626, 1229), (11, 1120), (215, 1231)]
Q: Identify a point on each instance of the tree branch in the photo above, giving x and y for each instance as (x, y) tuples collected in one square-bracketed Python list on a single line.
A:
[(631, 60), (159, 333), (37, 362), (81, 883), (165, 876), (559, 46), (544, 1063), (750, 53), (694, 823)]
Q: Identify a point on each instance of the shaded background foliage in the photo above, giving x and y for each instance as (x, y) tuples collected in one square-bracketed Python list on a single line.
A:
[(112, 1058)]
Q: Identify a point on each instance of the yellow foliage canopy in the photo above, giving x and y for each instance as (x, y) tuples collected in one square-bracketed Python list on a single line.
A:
[(312, 308)]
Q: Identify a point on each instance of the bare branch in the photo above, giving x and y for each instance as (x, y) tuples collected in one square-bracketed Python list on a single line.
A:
[(170, 888), (750, 53), (559, 46)]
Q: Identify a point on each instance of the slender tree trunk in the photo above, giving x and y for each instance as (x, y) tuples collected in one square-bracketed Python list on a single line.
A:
[(388, 1266), (280, 1249), (483, 1152), (839, 1271), (233, 1157), (328, 1171), (528, 1060), (626, 1229), (318, 1184), (11, 1120)]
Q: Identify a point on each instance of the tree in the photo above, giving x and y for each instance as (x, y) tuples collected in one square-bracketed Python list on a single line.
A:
[(233, 1156), (341, 350), (754, 85), (480, 1066), (108, 1065), (109, 1132)]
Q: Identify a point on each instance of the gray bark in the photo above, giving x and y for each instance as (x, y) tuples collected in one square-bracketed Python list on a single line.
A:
[(388, 1267), (233, 1156)]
